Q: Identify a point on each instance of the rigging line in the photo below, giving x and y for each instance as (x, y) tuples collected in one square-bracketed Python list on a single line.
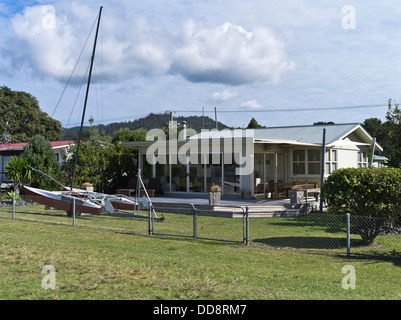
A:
[(86, 99), (73, 70), (79, 91), (102, 67)]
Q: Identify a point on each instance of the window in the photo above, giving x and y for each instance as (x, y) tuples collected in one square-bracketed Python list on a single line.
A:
[(362, 159), (306, 161), (299, 161), (331, 161), (313, 161)]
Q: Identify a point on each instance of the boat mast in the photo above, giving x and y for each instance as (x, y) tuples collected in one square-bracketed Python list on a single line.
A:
[(86, 99)]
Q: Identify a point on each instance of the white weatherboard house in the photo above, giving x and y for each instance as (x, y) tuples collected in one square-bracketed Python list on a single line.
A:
[(273, 156)]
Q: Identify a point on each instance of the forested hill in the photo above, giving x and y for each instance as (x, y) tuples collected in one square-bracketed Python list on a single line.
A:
[(151, 121)]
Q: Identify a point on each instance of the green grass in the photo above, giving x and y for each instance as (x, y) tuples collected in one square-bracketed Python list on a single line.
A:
[(326, 233), (99, 264)]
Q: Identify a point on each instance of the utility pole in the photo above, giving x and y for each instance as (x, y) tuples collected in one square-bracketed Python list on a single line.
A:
[(323, 168), (215, 117)]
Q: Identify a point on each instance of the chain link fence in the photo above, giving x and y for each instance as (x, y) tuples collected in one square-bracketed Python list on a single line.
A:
[(221, 223), (291, 229)]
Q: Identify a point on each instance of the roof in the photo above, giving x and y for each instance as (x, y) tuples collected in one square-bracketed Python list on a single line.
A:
[(312, 134), (20, 146), (336, 135), (309, 135)]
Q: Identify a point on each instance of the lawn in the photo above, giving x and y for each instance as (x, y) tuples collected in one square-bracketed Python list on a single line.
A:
[(100, 264)]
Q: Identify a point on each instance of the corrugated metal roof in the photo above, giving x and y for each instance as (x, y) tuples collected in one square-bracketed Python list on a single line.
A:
[(20, 146), (310, 135), (296, 135)]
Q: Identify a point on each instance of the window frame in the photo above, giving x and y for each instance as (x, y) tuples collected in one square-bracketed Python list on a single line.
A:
[(330, 161), (305, 162)]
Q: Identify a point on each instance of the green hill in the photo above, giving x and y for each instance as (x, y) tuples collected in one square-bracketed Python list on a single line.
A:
[(151, 121)]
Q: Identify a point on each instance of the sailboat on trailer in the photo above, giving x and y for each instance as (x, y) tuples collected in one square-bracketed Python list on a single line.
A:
[(81, 201)]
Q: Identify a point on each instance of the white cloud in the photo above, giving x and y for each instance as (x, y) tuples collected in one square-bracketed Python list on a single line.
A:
[(224, 95), (227, 54), (125, 48), (252, 104)]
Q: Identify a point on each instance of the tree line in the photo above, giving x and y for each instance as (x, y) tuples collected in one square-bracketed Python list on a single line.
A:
[(111, 165), (102, 162)]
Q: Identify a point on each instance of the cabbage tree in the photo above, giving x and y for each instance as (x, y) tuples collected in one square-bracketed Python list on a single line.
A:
[(17, 170)]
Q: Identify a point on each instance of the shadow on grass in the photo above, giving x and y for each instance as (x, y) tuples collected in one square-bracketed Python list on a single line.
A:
[(374, 256), (306, 242), (325, 223), (59, 214)]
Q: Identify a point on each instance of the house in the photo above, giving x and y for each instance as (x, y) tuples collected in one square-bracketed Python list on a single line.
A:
[(8, 150), (253, 161)]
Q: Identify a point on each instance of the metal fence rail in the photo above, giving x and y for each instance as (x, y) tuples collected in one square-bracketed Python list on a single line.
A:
[(331, 233)]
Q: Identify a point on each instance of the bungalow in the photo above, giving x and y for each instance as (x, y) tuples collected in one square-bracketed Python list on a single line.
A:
[(252, 161), (8, 150)]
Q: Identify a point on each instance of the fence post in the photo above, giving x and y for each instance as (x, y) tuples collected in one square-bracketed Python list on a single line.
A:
[(150, 220), (195, 222), (348, 235), (13, 205), (247, 226), (73, 211)]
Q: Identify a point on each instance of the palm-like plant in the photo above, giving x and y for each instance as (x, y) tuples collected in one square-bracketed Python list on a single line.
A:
[(18, 171)]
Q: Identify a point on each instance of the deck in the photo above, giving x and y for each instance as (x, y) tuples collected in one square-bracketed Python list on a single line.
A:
[(256, 207)]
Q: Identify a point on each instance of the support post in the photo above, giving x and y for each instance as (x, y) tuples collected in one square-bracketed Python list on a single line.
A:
[(13, 205), (150, 220), (372, 153), (323, 168), (73, 211), (195, 223), (247, 226), (348, 235)]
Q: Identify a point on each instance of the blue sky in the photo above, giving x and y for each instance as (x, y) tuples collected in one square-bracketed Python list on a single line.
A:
[(246, 58)]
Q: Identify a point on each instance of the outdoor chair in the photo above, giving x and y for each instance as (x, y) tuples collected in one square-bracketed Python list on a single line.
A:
[(155, 186), (130, 189)]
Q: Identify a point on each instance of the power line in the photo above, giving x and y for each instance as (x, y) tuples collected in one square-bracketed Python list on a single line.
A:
[(287, 109), (203, 111), (137, 116)]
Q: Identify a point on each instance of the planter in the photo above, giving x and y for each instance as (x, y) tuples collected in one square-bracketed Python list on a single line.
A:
[(214, 198)]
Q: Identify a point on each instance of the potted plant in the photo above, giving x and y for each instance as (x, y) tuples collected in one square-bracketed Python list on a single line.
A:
[(87, 186)]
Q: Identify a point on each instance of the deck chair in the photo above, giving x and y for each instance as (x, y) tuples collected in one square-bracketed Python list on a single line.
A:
[(131, 187)]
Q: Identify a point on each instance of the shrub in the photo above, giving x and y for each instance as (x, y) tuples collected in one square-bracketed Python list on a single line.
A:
[(365, 192)]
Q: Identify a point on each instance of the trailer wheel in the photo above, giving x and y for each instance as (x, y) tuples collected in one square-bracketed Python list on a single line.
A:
[(70, 214)]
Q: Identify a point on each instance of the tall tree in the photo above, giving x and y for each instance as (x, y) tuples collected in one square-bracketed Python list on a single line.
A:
[(123, 161), (93, 155), (22, 118), (253, 124), (38, 153), (393, 128), (377, 129)]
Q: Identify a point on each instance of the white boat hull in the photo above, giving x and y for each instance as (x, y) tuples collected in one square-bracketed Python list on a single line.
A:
[(62, 200)]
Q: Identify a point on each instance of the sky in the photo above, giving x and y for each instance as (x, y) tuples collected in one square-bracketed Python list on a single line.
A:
[(283, 62)]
